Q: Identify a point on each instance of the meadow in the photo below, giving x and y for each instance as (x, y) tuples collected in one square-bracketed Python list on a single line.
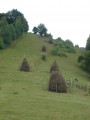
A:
[(22, 96)]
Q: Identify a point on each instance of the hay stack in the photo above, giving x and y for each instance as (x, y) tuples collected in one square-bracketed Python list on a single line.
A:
[(44, 49), (57, 83), (25, 66), (54, 67), (50, 41)]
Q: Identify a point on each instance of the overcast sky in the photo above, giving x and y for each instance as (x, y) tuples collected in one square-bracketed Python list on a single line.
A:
[(68, 19)]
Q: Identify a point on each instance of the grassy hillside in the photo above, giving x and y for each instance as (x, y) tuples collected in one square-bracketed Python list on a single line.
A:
[(22, 96)]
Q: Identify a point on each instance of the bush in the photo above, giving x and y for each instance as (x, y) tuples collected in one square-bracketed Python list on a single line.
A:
[(66, 46), (56, 51), (43, 57)]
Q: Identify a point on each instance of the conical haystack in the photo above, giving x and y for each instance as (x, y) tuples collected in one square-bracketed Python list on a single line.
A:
[(50, 41), (44, 49), (25, 66), (54, 67), (57, 82)]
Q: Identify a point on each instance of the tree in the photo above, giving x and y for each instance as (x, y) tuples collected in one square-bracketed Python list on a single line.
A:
[(2, 15), (1, 43), (24, 24), (42, 30), (77, 46), (88, 43), (13, 15), (5, 31), (12, 25), (49, 35), (68, 42), (18, 28), (13, 32), (85, 61), (35, 30)]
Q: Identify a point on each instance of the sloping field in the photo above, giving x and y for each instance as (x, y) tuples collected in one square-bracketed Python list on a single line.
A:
[(23, 95)]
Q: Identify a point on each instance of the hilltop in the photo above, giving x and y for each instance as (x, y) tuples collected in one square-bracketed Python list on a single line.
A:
[(23, 95)]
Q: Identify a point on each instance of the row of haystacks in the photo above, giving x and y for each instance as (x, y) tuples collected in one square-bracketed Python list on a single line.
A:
[(25, 66), (56, 81)]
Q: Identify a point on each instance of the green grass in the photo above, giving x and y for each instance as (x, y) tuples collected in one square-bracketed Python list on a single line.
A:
[(22, 96)]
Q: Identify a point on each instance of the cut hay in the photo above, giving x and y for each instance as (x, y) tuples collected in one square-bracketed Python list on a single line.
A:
[(54, 67), (57, 83), (25, 66), (44, 49), (50, 41)]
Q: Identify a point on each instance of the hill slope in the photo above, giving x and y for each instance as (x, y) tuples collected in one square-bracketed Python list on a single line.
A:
[(23, 95)]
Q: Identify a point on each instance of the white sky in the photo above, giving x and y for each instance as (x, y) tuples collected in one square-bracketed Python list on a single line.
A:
[(68, 19)]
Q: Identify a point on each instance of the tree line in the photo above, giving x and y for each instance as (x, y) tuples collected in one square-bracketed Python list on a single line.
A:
[(12, 25)]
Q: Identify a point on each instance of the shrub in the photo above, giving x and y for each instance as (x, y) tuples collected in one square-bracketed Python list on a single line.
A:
[(56, 51), (43, 57)]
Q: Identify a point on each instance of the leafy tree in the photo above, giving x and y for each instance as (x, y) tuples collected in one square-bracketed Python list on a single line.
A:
[(88, 44), (77, 46), (42, 30), (12, 25), (1, 43), (2, 15), (85, 61), (49, 35), (35, 30), (13, 32), (5, 31), (18, 28), (69, 42), (13, 15), (24, 24)]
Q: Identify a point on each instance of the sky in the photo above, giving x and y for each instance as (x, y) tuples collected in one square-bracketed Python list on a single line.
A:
[(68, 19)]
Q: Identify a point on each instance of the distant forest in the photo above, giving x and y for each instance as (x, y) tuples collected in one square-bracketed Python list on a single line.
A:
[(12, 25)]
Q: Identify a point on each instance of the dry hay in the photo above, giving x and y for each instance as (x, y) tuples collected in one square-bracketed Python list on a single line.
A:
[(50, 41), (57, 83), (25, 66), (54, 67), (44, 49)]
